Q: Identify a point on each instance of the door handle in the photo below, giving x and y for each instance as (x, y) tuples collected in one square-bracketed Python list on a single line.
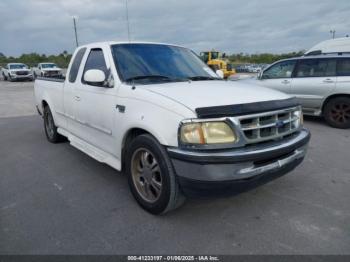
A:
[(285, 82), (328, 81), (77, 98)]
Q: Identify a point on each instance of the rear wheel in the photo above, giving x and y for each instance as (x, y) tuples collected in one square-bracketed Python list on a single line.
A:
[(151, 176), (50, 127), (337, 112)]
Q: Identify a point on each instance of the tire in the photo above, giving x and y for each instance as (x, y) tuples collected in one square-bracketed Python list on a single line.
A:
[(157, 176), (337, 112), (10, 78), (50, 127), (34, 76), (4, 77)]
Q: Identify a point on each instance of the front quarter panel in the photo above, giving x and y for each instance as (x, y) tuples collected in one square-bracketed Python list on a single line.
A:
[(151, 112)]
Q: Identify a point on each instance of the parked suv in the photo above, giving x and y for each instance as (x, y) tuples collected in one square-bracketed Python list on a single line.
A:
[(321, 84)]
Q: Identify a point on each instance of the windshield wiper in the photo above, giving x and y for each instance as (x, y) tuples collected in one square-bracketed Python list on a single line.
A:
[(201, 78), (156, 77)]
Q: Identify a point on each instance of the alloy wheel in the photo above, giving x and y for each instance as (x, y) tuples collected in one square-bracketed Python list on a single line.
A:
[(146, 175), (340, 113)]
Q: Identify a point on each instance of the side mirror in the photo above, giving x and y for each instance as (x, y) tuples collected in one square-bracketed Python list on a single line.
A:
[(220, 73), (94, 77)]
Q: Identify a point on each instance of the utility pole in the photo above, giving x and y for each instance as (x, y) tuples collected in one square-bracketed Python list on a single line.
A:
[(127, 18), (75, 30), (333, 33)]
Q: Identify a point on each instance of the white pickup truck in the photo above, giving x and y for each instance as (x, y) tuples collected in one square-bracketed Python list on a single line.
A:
[(47, 70), (16, 71), (164, 118)]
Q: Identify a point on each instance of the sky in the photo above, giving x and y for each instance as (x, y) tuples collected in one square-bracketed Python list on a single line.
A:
[(231, 26)]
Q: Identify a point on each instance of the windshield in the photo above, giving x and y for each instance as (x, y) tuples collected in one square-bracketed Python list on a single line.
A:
[(18, 66), (48, 65), (214, 55), (147, 63)]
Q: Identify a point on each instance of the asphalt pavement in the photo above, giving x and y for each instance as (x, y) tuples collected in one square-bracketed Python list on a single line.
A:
[(55, 199)]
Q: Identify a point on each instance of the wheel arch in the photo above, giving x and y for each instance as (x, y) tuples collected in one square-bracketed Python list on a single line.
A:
[(131, 134)]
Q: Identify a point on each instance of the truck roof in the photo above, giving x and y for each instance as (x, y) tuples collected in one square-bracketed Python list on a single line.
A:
[(109, 43)]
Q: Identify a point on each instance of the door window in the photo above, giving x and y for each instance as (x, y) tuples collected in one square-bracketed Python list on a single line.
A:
[(95, 60), (76, 65), (343, 67), (316, 68), (280, 70)]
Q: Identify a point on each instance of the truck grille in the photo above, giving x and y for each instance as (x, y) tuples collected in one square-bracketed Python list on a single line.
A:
[(51, 73), (22, 73), (271, 125)]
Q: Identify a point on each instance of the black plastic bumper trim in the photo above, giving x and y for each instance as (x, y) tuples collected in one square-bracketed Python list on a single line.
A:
[(196, 188), (245, 109)]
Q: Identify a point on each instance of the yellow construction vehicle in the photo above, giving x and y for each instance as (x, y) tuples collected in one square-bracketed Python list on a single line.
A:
[(217, 61)]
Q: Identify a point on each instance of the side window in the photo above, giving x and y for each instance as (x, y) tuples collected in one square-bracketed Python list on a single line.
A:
[(95, 60), (316, 68), (280, 70), (343, 67), (75, 65)]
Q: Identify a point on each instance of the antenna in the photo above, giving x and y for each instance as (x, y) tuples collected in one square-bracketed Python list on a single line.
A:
[(127, 18), (75, 30)]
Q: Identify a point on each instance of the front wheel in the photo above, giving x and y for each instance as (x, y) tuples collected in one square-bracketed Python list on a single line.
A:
[(337, 112), (151, 176), (50, 128)]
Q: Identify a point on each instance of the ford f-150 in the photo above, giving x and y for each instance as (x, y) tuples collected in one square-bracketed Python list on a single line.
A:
[(160, 115)]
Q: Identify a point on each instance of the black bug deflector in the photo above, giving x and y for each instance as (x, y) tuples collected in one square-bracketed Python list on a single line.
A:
[(243, 109)]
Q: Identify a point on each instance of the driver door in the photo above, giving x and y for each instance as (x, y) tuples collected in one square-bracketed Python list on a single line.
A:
[(96, 104)]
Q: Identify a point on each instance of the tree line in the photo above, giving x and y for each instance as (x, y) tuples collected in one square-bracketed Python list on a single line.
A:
[(32, 59), (62, 60), (264, 58)]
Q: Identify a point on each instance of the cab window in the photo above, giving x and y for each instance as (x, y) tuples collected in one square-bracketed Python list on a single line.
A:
[(76, 65), (316, 68), (282, 69), (343, 67)]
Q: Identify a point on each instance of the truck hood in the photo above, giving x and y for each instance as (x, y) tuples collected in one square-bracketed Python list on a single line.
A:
[(197, 94)]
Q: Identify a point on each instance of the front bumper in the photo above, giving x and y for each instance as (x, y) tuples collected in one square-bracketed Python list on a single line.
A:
[(228, 172), (22, 77)]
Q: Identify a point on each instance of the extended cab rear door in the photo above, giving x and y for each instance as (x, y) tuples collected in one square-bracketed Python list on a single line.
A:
[(70, 91)]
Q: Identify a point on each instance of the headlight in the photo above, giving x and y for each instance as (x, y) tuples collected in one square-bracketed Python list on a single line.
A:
[(299, 118), (207, 133)]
